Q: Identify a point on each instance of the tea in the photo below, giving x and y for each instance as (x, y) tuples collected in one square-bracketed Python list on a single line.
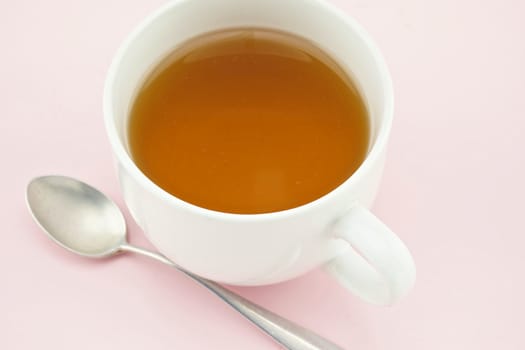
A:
[(248, 121)]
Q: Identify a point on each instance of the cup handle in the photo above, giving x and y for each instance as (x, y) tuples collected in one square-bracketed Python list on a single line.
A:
[(378, 266)]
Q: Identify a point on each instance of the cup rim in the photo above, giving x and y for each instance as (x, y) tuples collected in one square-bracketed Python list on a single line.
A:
[(374, 153)]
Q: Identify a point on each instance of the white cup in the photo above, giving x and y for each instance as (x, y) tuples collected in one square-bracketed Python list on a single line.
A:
[(336, 231)]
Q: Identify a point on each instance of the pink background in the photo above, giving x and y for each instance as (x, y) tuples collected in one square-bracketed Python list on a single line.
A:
[(453, 189)]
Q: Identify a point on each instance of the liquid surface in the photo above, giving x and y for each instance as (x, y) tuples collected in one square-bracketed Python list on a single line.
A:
[(248, 121)]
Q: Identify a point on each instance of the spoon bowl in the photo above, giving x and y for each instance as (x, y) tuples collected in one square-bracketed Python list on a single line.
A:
[(76, 216)]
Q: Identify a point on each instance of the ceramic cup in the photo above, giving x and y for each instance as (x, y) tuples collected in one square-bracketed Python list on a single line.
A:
[(336, 231)]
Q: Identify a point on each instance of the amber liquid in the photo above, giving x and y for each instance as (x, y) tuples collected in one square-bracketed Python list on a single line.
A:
[(248, 121)]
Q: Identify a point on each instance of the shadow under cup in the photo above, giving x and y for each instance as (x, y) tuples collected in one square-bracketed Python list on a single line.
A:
[(295, 236)]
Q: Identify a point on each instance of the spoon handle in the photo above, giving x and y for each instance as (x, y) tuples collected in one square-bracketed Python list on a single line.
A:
[(290, 335)]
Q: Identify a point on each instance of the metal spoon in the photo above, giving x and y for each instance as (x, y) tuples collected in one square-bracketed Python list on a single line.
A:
[(84, 221)]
